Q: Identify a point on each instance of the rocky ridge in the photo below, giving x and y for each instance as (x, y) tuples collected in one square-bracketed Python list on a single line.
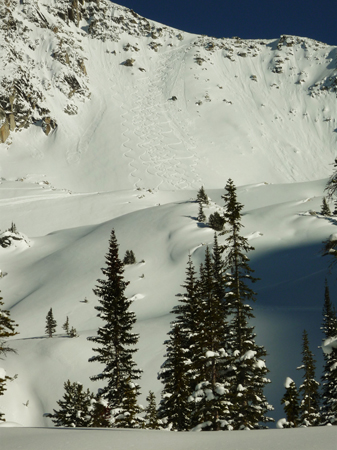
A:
[(44, 55)]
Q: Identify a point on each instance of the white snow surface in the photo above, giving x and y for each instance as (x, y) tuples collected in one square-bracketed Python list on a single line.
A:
[(329, 344), (288, 382), (133, 160), (114, 439)]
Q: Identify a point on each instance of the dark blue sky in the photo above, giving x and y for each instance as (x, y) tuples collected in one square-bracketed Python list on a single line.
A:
[(255, 19)]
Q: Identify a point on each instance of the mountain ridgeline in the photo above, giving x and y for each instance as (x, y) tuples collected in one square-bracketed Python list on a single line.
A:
[(156, 106)]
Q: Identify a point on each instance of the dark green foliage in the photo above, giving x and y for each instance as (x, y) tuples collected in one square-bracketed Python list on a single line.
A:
[(201, 215), (75, 407), (329, 378), (127, 415), (290, 400), (214, 374), (151, 417), (115, 340), (7, 329), (210, 359), (249, 369), (202, 196), (65, 326), (330, 249), (100, 413), (50, 323), (73, 332), (3, 380), (331, 186), (309, 406), (216, 222), (175, 408), (325, 211), (13, 228), (129, 257)]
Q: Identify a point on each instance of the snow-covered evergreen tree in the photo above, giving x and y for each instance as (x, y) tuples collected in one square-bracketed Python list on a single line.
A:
[(75, 408), (202, 197), (329, 378), (127, 415), (249, 369), (151, 415), (174, 408), (50, 323), (7, 330), (177, 373), (331, 186), (325, 210), (115, 340), (309, 406), (201, 214), (211, 359), (290, 402), (100, 412)]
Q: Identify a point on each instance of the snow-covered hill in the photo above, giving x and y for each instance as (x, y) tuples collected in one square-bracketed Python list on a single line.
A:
[(110, 120)]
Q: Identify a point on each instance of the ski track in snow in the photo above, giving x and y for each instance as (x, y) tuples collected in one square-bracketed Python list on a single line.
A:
[(161, 148)]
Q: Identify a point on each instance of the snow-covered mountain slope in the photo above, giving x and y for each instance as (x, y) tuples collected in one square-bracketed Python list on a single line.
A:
[(144, 105), (114, 121)]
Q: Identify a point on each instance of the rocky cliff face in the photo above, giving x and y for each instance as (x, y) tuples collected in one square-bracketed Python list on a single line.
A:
[(26, 79)]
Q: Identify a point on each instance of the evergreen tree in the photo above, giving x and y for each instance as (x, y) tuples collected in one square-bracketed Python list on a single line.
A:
[(7, 330), (201, 214), (202, 197), (127, 415), (65, 326), (151, 417), (73, 332), (309, 406), (13, 228), (75, 407), (290, 400), (331, 186), (211, 359), (100, 412), (175, 408), (325, 210), (129, 257), (115, 340), (329, 378), (216, 222), (249, 369), (50, 323), (177, 373)]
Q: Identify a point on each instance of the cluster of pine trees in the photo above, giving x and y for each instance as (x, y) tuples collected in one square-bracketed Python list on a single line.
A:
[(315, 407), (51, 326), (214, 373)]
